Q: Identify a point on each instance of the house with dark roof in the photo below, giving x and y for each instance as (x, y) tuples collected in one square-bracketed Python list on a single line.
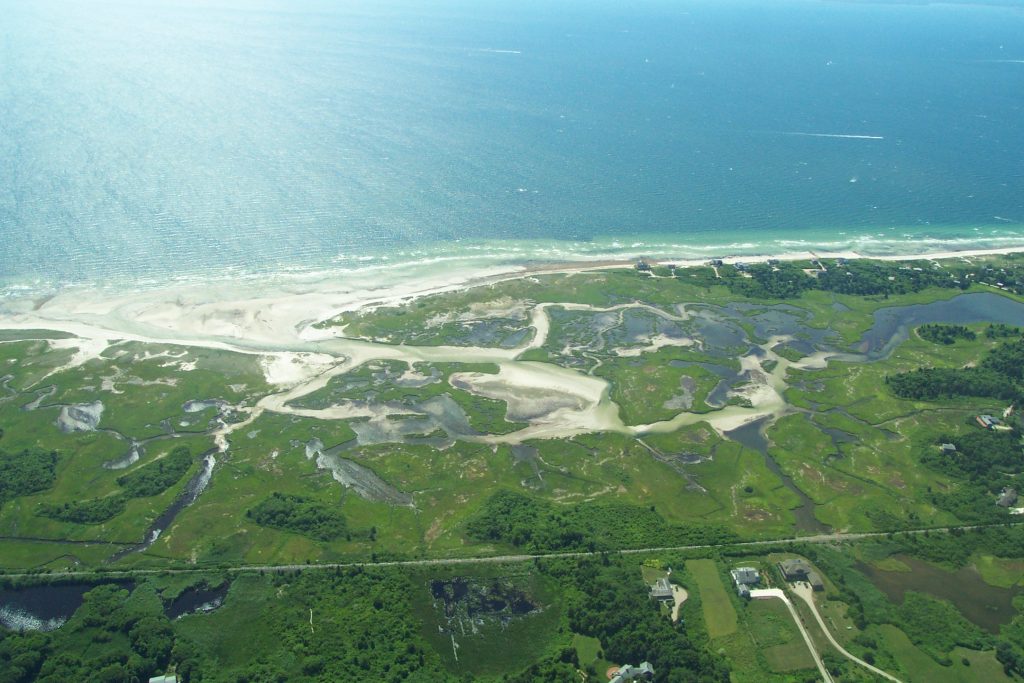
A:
[(798, 569), (744, 578), (987, 421), (661, 590), (1007, 498)]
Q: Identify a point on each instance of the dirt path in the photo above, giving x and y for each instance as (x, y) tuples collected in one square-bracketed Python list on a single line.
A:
[(806, 593), (837, 537), (767, 593)]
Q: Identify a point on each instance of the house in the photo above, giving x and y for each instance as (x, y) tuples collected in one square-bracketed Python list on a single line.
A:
[(169, 678), (1007, 498), (745, 577), (739, 265), (628, 673), (987, 421), (798, 569), (717, 262), (947, 448), (643, 266), (661, 590)]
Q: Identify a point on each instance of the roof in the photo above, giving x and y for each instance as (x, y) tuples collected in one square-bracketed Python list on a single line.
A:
[(796, 565), (169, 678), (746, 575), (661, 589), (628, 672), (1007, 498)]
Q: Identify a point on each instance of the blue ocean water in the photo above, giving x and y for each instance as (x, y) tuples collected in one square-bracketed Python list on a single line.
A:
[(169, 137)]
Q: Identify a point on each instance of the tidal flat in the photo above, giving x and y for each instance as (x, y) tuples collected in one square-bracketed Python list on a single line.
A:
[(623, 387)]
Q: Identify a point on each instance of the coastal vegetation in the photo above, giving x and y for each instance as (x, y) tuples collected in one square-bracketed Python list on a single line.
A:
[(148, 480), (299, 514), (30, 471), (617, 410)]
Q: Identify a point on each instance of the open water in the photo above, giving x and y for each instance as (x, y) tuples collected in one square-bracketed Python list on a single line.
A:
[(143, 141)]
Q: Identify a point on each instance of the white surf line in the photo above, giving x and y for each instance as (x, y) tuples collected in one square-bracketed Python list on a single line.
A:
[(498, 52), (842, 136)]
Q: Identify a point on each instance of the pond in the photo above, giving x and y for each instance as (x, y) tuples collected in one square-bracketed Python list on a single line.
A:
[(196, 599), (892, 325), (42, 608), (987, 606)]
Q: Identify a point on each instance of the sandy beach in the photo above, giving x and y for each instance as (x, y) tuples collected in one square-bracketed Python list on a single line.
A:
[(276, 321), (278, 314)]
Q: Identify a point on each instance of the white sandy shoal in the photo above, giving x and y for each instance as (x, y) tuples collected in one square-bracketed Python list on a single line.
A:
[(277, 316)]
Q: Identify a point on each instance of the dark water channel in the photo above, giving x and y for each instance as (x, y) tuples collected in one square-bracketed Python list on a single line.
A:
[(198, 599), (987, 606), (751, 435), (195, 486)]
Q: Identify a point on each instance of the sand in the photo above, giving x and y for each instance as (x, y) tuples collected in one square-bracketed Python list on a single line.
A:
[(275, 320)]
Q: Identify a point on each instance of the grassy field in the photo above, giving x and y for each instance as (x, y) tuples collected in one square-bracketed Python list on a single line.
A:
[(920, 668), (719, 613)]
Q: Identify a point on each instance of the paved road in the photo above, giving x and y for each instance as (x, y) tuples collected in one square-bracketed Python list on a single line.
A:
[(762, 593), (500, 559), (806, 593)]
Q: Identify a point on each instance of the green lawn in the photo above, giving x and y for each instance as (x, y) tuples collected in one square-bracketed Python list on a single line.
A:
[(719, 614)]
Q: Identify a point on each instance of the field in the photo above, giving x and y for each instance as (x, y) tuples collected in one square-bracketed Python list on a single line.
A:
[(719, 614)]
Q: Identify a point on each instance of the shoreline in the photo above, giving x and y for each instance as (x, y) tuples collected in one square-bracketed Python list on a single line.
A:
[(279, 315)]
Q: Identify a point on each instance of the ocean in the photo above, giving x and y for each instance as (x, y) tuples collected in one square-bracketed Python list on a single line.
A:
[(189, 139)]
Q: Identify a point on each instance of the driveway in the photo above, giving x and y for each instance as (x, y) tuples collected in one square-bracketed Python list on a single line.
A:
[(804, 591)]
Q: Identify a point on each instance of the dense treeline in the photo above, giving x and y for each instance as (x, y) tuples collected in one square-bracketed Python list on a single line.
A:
[(1001, 331), (945, 334), (93, 511), (149, 480), (262, 634), (301, 515), (998, 375), (116, 635), (787, 280), (782, 281), (157, 477), (611, 603), (982, 456), (957, 547), (29, 471), (540, 526), (858, 277), (933, 384)]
